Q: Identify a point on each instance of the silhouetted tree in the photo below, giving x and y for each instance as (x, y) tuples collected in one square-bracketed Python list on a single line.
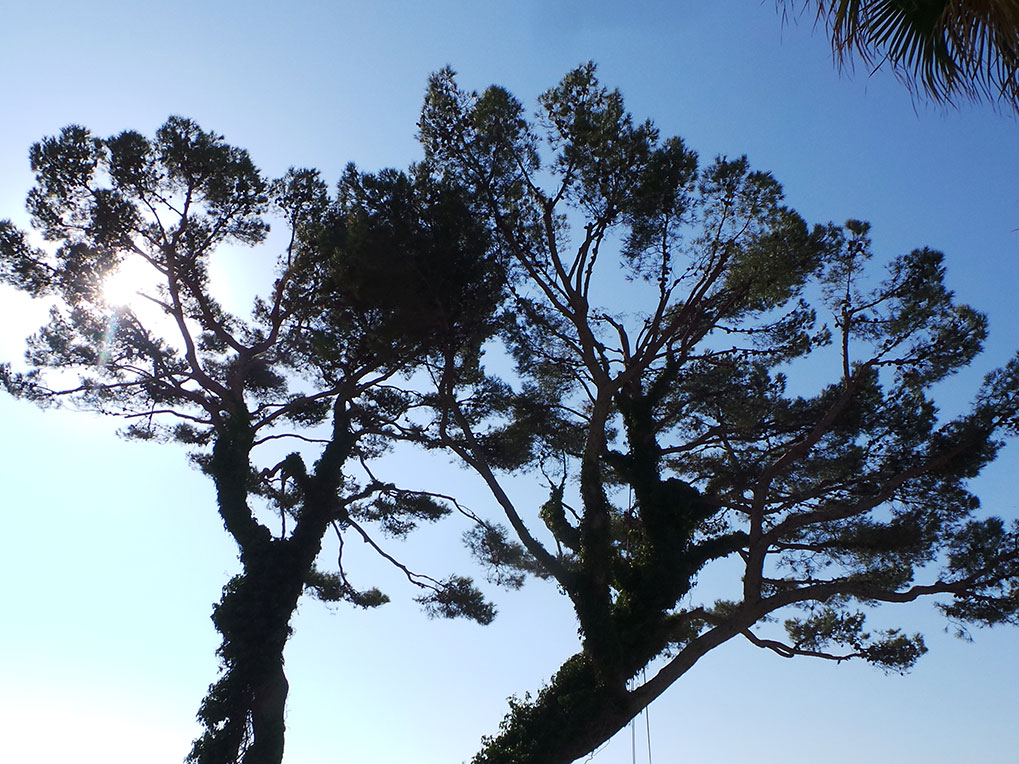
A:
[(664, 323), (945, 48), (369, 283)]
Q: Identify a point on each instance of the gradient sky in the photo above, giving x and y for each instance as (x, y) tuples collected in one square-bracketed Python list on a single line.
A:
[(111, 553)]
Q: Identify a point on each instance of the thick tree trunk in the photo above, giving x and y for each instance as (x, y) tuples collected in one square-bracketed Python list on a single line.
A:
[(269, 699), (571, 717), (577, 711), (243, 712)]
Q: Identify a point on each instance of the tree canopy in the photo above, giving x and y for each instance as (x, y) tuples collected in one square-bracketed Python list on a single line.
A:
[(667, 322), (370, 283)]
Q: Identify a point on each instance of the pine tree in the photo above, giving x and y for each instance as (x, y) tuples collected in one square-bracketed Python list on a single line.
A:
[(669, 321)]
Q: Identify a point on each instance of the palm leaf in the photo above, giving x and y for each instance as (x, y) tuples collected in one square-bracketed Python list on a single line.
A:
[(944, 48)]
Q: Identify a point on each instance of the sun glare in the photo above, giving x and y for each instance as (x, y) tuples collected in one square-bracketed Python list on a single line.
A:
[(124, 286)]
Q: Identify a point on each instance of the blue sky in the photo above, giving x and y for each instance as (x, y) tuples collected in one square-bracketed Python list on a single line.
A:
[(112, 554)]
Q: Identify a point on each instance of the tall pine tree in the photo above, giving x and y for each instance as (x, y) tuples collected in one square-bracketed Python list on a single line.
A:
[(669, 320)]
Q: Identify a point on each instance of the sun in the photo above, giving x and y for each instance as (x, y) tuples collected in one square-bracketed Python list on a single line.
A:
[(124, 286)]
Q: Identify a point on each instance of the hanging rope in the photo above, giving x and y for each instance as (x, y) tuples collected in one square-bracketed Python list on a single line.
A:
[(647, 727), (647, 721), (647, 715), (631, 684)]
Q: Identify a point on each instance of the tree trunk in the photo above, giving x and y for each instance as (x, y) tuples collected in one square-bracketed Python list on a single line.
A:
[(243, 713), (571, 717), (269, 699)]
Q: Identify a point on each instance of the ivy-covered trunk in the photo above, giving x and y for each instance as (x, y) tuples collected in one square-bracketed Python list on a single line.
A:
[(243, 713), (578, 710), (574, 714)]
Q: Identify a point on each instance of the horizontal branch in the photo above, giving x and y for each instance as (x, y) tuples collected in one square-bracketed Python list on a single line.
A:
[(789, 651)]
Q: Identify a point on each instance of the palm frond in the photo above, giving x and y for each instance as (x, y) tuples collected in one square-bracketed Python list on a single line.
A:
[(946, 49)]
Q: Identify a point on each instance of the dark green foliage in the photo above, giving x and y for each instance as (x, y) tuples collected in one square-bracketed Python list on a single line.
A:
[(984, 554), (661, 314), (457, 597), (398, 513), (415, 261), (507, 562), (26, 267), (830, 627), (558, 724), (332, 587)]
